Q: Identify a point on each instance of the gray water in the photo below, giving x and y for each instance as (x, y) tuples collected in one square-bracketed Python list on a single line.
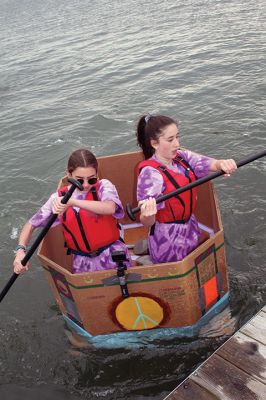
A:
[(80, 73)]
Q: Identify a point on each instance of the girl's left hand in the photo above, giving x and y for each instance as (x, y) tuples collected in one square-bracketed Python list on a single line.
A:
[(228, 166), (58, 207), (18, 267)]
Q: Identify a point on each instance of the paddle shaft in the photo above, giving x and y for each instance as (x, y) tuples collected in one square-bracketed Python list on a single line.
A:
[(132, 211), (38, 239)]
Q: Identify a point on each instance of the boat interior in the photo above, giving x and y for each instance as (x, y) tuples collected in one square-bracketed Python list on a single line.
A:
[(120, 169)]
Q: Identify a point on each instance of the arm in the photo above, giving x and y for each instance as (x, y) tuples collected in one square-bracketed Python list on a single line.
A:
[(24, 239), (106, 207), (108, 204), (38, 220), (203, 165), (149, 187)]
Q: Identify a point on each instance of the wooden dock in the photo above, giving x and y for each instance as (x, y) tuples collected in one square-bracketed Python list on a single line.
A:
[(236, 371)]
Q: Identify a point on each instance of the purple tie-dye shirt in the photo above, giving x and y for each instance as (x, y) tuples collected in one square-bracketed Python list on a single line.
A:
[(107, 191), (171, 242)]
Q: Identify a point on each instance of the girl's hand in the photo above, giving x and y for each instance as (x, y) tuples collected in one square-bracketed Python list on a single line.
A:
[(58, 207), (228, 166), (18, 267), (148, 207)]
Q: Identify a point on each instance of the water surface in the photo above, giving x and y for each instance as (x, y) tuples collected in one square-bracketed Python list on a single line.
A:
[(80, 73)]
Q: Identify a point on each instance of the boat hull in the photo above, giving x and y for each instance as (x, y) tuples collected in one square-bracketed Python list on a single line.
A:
[(137, 339), (180, 295)]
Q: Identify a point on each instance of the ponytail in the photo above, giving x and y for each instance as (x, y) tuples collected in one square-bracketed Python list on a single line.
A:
[(143, 143)]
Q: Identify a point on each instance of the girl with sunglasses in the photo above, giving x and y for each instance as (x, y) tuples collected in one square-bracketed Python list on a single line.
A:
[(174, 230), (89, 220)]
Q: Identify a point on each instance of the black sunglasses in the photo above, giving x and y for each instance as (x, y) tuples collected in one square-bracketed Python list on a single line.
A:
[(91, 181)]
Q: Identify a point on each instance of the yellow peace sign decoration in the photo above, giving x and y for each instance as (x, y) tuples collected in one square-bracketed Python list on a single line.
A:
[(138, 313)]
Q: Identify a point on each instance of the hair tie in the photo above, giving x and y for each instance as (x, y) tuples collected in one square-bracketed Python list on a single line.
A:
[(147, 118)]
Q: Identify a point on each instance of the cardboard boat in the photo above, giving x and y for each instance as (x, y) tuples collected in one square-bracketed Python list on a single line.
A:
[(179, 296)]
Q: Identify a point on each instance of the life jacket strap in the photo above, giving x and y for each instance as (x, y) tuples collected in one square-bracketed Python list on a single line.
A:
[(177, 186)]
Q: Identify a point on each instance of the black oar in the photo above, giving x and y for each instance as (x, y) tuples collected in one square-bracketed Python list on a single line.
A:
[(132, 211), (74, 184)]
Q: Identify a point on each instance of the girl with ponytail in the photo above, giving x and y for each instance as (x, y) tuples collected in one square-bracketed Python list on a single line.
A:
[(174, 230)]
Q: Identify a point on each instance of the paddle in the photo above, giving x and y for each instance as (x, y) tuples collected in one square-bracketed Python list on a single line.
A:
[(131, 211), (74, 184)]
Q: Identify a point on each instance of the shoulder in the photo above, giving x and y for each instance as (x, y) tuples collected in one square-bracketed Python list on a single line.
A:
[(149, 166), (105, 183), (149, 172), (108, 192), (151, 162), (191, 156), (187, 154), (106, 187), (199, 163)]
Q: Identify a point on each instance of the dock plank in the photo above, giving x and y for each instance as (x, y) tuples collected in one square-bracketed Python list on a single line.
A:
[(256, 328), (236, 371), (227, 382), (250, 355), (260, 319), (193, 391)]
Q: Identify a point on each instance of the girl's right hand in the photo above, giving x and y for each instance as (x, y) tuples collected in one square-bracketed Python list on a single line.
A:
[(148, 207), (18, 267)]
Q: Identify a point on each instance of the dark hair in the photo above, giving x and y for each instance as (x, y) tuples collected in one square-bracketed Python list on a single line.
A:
[(150, 127), (81, 158)]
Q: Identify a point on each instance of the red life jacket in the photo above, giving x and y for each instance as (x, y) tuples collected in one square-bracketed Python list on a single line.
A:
[(179, 208), (87, 233)]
